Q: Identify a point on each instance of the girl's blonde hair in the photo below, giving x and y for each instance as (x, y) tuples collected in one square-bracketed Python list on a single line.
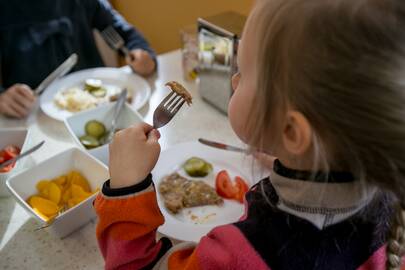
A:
[(341, 63)]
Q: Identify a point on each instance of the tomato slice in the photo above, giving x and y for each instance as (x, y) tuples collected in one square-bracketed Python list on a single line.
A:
[(224, 185), (2, 155), (242, 188), (7, 153), (228, 189), (11, 152), (7, 168)]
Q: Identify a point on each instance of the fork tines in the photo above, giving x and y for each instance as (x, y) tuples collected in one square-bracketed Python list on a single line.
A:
[(111, 36), (167, 109), (114, 39), (175, 99)]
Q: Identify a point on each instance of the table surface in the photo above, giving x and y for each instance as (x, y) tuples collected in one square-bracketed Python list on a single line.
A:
[(23, 248)]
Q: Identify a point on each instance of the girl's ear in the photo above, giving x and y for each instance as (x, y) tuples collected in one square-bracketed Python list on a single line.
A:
[(297, 132)]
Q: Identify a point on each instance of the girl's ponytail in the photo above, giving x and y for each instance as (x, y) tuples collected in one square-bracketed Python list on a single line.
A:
[(396, 239)]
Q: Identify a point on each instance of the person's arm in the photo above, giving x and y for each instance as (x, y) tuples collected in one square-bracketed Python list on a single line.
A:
[(129, 216), (142, 56), (126, 233), (2, 89)]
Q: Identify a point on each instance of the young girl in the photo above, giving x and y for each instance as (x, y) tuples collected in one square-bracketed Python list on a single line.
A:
[(323, 81)]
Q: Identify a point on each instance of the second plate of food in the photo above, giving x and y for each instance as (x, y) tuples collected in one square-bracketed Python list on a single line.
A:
[(199, 188), (89, 88)]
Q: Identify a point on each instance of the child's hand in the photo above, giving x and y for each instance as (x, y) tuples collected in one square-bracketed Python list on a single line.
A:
[(133, 154), (17, 101), (141, 62)]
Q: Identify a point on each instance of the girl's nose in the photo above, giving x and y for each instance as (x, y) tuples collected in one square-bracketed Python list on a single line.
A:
[(235, 80)]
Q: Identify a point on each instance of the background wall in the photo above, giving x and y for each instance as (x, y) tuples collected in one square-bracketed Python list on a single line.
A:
[(161, 20)]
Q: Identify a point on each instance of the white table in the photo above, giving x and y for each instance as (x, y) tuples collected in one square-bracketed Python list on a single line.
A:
[(22, 248)]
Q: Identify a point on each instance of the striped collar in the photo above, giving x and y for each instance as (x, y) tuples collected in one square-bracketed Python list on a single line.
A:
[(331, 177), (323, 200)]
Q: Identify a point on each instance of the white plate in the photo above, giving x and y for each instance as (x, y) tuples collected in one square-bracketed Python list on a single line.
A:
[(181, 226), (136, 85)]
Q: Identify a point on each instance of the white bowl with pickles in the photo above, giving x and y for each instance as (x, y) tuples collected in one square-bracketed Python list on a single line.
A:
[(89, 127)]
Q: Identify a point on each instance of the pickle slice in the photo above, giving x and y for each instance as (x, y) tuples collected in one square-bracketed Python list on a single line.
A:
[(95, 128), (92, 84), (99, 93), (207, 168), (89, 141), (197, 167)]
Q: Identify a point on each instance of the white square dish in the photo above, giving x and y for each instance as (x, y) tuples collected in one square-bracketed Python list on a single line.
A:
[(18, 137), (76, 125), (23, 185)]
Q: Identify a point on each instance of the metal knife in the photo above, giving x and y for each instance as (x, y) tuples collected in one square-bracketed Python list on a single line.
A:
[(118, 108), (223, 146), (26, 153), (60, 71)]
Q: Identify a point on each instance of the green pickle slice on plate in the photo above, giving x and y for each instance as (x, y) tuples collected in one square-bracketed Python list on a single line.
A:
[(92, 84), (197, 167), (89, 141), (95, 129), (99, 93)]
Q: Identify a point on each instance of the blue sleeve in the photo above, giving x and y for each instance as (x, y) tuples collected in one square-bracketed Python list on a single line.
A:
[(2, 89), (104, 15)]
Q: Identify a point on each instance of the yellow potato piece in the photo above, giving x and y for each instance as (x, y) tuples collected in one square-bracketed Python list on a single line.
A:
[(78, 179), (46, 218), (55, 193), (75, 201), (60, 193), (78, 192), (67, 194), (46, 207), (44, 192), (69, 176), (61, 180), (42, 185), (43, 188)]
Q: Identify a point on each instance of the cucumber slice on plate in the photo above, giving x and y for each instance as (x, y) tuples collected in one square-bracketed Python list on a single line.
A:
[(95, 128), (197, 167), (99, 93), (92, 84), (89, 141)]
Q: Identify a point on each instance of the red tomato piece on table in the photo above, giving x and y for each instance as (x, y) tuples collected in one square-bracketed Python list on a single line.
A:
[(224, 185)]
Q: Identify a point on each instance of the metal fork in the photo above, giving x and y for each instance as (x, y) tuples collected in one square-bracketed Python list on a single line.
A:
[(115, 40), (167, 109), (51, 220)]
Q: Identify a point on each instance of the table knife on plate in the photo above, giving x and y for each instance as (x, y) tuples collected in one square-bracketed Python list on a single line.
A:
[(223, 146)]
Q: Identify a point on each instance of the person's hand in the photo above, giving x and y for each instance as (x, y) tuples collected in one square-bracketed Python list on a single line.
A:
[(141, 62), (133, 154), (17, 101), (265, 160)]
